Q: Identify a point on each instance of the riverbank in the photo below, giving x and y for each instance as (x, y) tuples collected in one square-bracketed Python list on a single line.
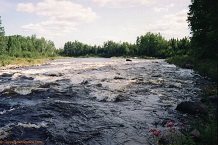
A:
[(205, 67), (12, 62)]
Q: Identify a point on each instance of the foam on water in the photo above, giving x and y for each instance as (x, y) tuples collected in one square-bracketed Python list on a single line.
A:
[(32, 125), (23, 90)]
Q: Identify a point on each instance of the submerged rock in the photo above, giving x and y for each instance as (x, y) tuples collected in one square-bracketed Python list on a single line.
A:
[(192, 108)]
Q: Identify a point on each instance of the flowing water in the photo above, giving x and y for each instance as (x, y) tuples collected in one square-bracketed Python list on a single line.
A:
[(95, 101)]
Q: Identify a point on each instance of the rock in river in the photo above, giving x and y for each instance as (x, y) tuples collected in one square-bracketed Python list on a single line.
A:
[(192, 108)]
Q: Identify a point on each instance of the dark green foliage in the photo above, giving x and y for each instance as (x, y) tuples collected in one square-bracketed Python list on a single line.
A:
[(151, 44), (207, 67), (27, 47), (2, 30), (203, 20), (180, 60), (2, 39), (148, 45)]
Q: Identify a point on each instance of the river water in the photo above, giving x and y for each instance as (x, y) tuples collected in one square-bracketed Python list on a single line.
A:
[(95, 101)]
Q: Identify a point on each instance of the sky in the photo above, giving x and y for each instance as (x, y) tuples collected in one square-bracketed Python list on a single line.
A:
[(94, 22)]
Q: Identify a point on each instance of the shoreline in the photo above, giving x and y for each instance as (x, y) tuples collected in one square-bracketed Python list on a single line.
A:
[(26, 62)]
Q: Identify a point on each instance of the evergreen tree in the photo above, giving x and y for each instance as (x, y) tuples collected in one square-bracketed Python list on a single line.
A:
[(2, 30), (3, 43), (203, 20)]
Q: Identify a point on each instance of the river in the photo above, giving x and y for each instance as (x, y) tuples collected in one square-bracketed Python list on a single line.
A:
[(95, 101)]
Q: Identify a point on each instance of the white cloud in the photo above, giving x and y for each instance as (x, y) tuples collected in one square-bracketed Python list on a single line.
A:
[(173, 25), (121, 3), (166, 8), (62, 16)]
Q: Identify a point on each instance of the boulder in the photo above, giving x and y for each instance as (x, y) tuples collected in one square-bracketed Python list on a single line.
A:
[(196, 135), (128, 59), (189, 66), (192, 108)]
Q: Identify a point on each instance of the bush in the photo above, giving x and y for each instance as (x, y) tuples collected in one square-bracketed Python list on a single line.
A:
[(206, 67), (4, 60), (180, 61)]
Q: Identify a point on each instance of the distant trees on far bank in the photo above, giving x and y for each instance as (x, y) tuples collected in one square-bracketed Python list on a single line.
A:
[(150, 44), (27, 47)]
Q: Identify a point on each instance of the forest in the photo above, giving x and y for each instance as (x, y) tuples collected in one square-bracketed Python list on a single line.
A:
[(148, 45)]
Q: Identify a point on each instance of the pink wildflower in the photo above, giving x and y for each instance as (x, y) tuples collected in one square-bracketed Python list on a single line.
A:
[(170, 124), (152, 130), (156, 133)]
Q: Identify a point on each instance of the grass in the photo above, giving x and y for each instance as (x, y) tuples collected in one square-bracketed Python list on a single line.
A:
[(180, 61), (4, 61), (205, 67)]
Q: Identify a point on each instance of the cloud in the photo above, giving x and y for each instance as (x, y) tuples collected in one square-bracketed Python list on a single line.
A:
[(62, 16), (121, 3), (173, 25), (166, 8)]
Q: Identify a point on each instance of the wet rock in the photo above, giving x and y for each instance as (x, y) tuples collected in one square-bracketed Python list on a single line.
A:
[(128, 59), (192, 108), (50, 85), (99, 85), (27, 78), (6, 75), (84, 82), (156, 75), (54, 74), (118, 78), (196, 134), (188, 64)]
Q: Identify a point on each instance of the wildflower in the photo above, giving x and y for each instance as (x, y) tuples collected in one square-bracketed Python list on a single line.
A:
[(156, 133), (170, 124), (152, 130)]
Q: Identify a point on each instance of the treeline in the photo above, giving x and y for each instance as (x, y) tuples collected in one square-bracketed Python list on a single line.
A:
[(150, 45), (24, 47), (27, 47)]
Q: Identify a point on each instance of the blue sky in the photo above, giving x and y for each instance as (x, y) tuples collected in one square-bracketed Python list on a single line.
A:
[(94, 21)]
